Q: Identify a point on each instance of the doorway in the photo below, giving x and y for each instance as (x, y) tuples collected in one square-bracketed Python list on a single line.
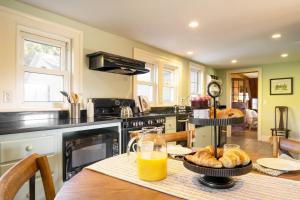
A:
[(244, 96)]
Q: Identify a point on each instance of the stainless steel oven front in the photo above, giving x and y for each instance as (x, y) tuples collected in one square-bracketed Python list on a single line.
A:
[(82, 148)]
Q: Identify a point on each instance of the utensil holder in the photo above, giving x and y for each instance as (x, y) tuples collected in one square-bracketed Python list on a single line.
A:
[(75, 111)]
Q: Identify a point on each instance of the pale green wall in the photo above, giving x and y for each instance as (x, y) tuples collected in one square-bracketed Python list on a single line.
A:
[(99, 84), (292, 101), (280, 70)]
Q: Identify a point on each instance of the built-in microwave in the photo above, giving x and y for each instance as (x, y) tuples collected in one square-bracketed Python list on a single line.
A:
[(82, 148)]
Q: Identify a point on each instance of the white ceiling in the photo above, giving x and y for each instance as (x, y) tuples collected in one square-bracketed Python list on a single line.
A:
[(228, 29)]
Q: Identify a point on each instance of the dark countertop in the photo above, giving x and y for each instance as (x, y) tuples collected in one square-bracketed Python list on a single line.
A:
[(21, 122), (22, 126)]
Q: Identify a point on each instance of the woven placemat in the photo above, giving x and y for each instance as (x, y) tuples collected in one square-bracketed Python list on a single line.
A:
[(184, 184)]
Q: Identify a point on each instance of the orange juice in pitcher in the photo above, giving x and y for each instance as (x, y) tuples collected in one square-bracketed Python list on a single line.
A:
[(152, 167), (152, 154)]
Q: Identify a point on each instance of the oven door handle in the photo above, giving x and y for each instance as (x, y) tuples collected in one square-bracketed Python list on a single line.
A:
[(183, 120)]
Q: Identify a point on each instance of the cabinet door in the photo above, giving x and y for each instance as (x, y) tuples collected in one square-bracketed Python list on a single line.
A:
[(18, 149), (170, 125)]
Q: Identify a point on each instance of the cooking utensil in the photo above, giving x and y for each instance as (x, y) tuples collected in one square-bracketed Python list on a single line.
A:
[(279, 164), (66, 95)]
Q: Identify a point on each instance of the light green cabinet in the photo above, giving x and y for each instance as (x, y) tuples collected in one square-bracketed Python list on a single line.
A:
[(14, 147)]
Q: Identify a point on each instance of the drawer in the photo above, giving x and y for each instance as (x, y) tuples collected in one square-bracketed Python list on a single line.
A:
[(18, 149), (51, 159)]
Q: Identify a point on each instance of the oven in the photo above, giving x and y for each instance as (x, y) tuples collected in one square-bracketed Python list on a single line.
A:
[(82, 148), (135, 124)]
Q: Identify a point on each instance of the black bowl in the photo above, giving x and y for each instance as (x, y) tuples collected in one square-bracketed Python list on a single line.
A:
[(218, 172)]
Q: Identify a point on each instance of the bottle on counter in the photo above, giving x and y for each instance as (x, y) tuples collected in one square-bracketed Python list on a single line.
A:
[(90, 109)]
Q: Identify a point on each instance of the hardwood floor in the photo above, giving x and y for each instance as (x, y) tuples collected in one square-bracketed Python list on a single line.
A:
[(254, 148), (249, 134)]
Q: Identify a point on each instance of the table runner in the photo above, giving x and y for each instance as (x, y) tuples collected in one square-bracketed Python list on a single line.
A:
[(183, 183)]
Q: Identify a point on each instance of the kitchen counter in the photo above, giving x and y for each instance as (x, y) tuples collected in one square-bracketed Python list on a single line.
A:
[(21, 122), (22, 126)]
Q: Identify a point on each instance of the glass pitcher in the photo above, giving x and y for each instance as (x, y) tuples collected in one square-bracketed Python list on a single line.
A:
[(151, 149)]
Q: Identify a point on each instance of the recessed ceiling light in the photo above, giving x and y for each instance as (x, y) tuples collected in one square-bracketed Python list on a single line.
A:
[(233, 61), (193, 24), (284, 55), (276, 36), (189, 53)]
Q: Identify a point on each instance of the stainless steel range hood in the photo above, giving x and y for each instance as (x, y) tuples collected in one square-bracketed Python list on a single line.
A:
[(106, 62)]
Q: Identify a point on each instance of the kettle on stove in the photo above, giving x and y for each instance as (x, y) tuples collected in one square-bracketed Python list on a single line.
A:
[(126, 112)]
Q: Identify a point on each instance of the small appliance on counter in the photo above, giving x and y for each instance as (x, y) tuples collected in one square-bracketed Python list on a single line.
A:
[(200, 106)]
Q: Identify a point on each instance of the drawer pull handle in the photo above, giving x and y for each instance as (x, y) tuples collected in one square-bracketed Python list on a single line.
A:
[(28, 148)]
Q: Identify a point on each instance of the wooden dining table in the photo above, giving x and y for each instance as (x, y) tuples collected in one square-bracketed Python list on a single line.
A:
[(91, 185)]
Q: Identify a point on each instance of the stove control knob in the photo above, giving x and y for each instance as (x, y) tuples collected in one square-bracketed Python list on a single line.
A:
[(140, 123)]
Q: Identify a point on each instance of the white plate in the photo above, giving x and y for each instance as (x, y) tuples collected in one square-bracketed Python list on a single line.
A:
[(178, 150), (279, 164)]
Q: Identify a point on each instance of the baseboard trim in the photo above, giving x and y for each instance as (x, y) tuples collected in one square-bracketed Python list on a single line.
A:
[(265, 138)]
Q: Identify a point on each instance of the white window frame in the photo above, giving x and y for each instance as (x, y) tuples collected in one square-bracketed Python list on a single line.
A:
[(173, 85), (153, 82), (160, 63), (26, 33), (200, 79)]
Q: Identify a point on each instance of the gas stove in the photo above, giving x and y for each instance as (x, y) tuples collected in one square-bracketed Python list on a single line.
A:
[(109, 108)]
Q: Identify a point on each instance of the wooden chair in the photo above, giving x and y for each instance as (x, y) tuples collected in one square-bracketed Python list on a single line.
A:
[(25, 170), (281, 123), (173, 137), (287, 146)]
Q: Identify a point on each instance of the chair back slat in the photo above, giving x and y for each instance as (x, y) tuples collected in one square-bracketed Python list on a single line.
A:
[(46, 177), (13, 179), (174, 137)]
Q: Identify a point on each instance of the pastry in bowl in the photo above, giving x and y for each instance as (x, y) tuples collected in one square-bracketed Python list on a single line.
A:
[(229, 113), (230, 159), (234, 157), (205, 158)]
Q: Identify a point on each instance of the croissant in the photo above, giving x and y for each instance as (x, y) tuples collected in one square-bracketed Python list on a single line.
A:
[(228, 113), (229, 159), (234, 157), (244, 157), (212, 151), (204, 157)]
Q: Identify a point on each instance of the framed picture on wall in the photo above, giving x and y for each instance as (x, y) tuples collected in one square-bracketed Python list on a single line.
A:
[(281, 86)]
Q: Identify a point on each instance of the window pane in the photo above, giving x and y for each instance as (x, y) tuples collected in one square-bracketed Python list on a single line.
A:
[(41, 55), (145, 77), (42, 87), (145, 90), (168, 77), (194, 76), (193, 88), (168, 94)]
